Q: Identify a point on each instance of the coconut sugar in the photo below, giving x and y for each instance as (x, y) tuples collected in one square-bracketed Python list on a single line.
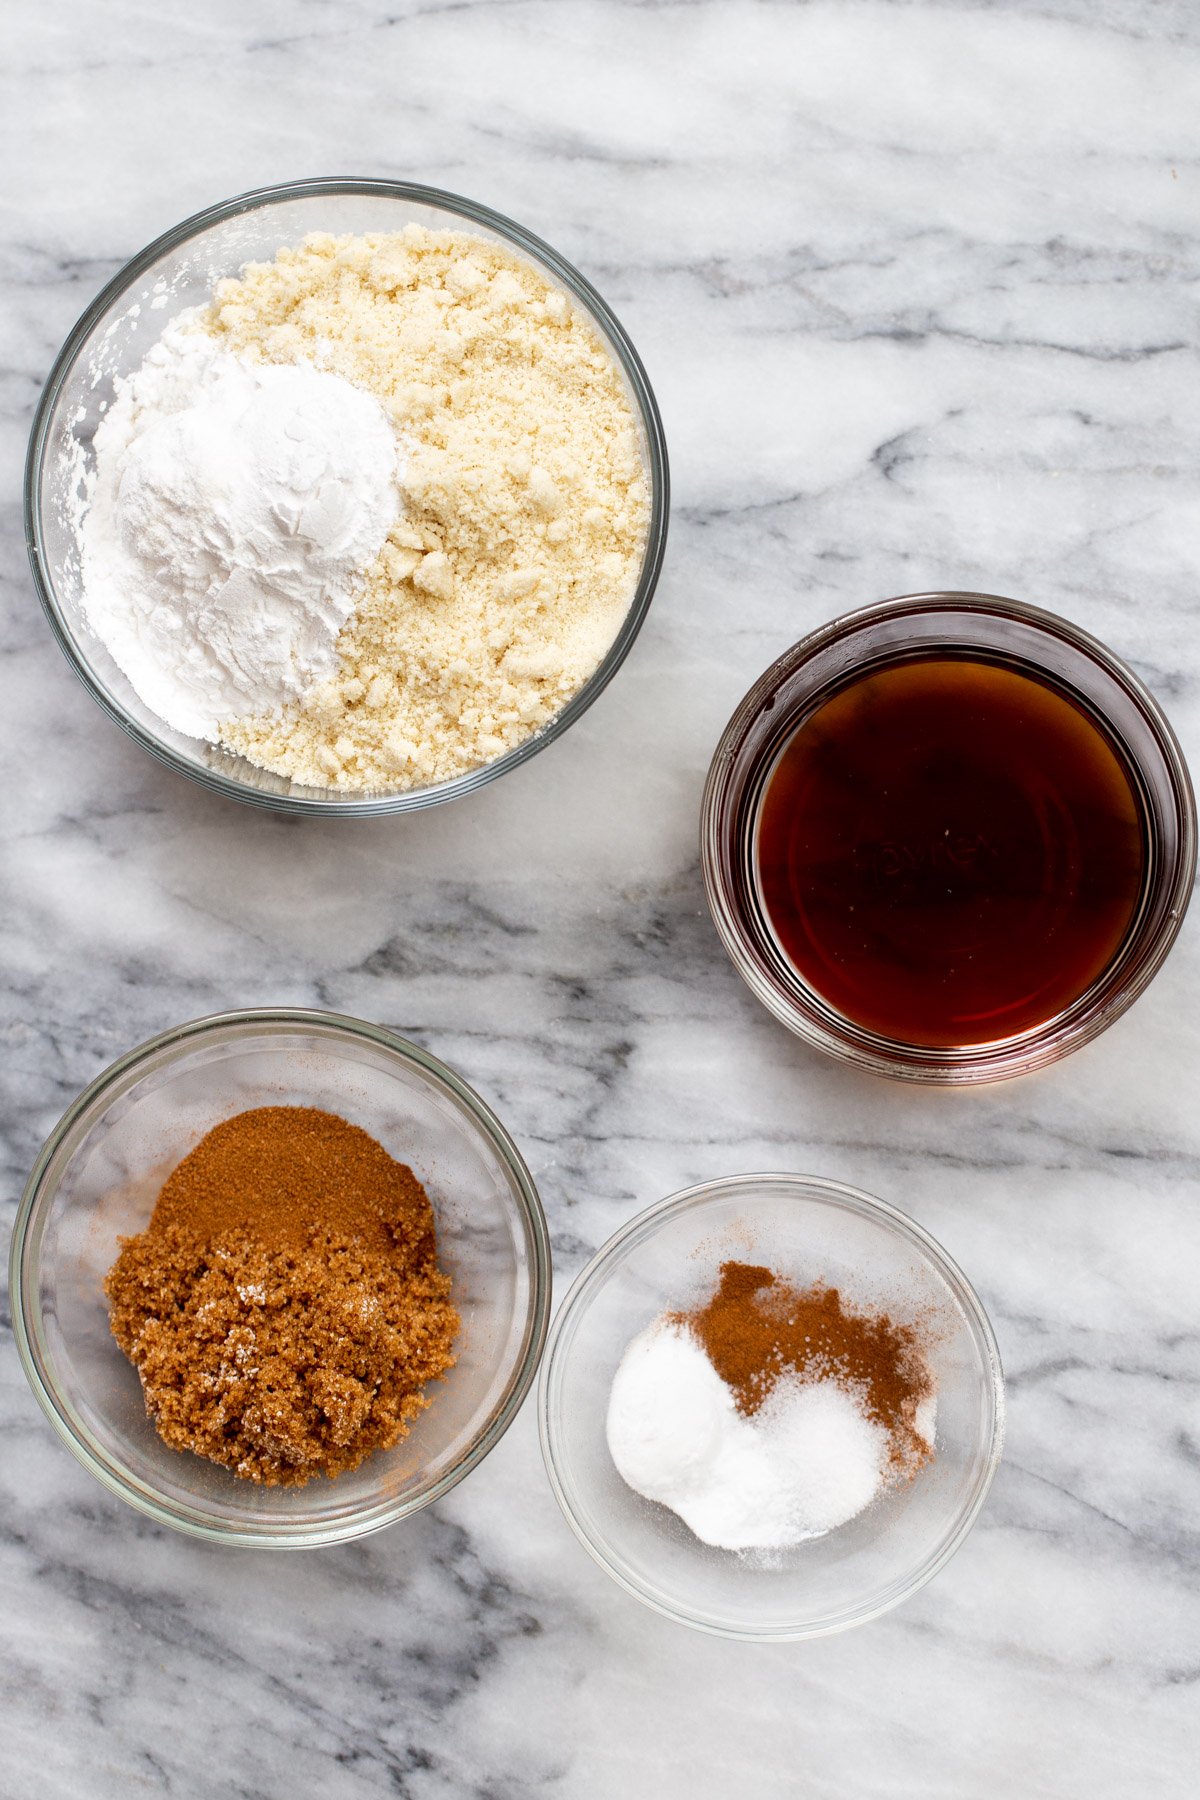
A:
[(284, 1307)]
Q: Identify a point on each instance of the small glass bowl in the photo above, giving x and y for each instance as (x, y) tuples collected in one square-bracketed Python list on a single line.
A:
[(123, 322), (818, 665), (806, 1229), (97, 1179)]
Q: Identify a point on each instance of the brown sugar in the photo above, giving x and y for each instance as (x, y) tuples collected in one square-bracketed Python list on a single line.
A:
[(284, 1307), (757, 1328)]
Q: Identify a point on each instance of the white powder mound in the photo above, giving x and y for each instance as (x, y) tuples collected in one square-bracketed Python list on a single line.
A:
[(232, 512), (807, 1462), (677, 1437), (829, 1454)]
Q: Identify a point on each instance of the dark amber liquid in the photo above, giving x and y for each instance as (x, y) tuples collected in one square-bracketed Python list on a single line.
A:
[(950, 851)]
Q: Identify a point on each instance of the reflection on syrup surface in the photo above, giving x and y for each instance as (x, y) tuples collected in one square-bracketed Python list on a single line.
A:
[(950, 851)]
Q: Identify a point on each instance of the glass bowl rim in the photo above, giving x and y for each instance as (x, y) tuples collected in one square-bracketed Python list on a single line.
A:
[(26, 1312), (473, 212), (851, 1199), (1007, 1059)]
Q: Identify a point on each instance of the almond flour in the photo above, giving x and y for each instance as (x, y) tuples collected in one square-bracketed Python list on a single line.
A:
[(525, 500)]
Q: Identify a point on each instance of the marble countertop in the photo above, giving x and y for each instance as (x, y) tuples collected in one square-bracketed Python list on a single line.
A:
[(916, 285)]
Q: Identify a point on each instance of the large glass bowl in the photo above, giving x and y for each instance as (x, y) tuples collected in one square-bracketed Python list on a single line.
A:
[(97, 1179), (805, 1229), (123, 322)]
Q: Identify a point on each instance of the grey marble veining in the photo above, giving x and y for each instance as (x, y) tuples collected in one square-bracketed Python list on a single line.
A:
[(916, 286)]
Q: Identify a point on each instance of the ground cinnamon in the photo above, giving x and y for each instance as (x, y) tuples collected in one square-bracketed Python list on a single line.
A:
[(757, 1328), (284, 1307)]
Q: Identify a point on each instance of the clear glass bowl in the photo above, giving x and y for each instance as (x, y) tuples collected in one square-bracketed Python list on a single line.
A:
[(806, 1229), (112, 338), (989, 626), (99, 1174)]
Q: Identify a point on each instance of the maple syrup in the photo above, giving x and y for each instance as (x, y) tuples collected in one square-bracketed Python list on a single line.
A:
[(950, 850)]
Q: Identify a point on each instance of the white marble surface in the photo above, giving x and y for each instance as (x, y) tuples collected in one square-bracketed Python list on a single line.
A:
[(916, 285)]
